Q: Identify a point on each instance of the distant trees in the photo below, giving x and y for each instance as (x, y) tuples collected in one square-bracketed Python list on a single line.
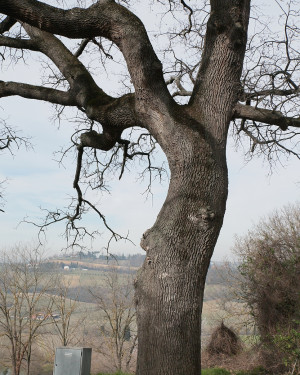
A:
[(64, 307), (270, 282), (34, 306), (23, 288), (40, 310), (117, 318)]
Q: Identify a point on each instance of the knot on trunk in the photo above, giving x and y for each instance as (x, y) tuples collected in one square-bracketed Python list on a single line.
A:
[(104, 141), (206, 213), (144, 244)]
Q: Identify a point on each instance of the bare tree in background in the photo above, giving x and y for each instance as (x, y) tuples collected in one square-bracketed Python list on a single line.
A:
[(24, 305), (232, 80), (116, 326), (63, 319)]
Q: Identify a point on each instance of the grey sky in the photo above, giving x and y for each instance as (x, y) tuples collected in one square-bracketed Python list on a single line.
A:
[(36, 180)]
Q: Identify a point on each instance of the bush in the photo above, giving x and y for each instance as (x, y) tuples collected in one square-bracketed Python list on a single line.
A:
[(289, 344), (269, 285)]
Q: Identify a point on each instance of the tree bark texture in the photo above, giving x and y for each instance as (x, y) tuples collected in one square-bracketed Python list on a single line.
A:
[(169, 288)]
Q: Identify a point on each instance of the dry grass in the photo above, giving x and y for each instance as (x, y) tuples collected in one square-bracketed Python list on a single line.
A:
[(244, 361)]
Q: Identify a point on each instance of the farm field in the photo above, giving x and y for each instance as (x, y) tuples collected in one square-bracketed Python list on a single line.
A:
[(88, 324)]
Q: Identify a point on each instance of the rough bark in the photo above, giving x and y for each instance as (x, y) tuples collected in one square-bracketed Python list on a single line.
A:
[(169, 288)]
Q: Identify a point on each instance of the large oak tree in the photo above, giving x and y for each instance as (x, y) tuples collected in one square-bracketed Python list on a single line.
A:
[(261, 104)]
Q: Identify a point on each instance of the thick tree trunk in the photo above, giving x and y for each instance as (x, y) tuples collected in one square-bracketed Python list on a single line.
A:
[(169, 288)]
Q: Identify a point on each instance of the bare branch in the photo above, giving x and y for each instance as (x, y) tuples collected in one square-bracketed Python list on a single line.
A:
[(266, 116), (107, 19), (18, 43), (37, 92), (6, 24), (270, 92), (80, 80), (107, 55), (115, 114), (104, 141), (82, 46), (190, 10), (1, 194), (9, 136), (181, 90), (74, 213)]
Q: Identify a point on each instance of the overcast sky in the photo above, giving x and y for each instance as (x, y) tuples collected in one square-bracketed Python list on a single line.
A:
[(35, 180)]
